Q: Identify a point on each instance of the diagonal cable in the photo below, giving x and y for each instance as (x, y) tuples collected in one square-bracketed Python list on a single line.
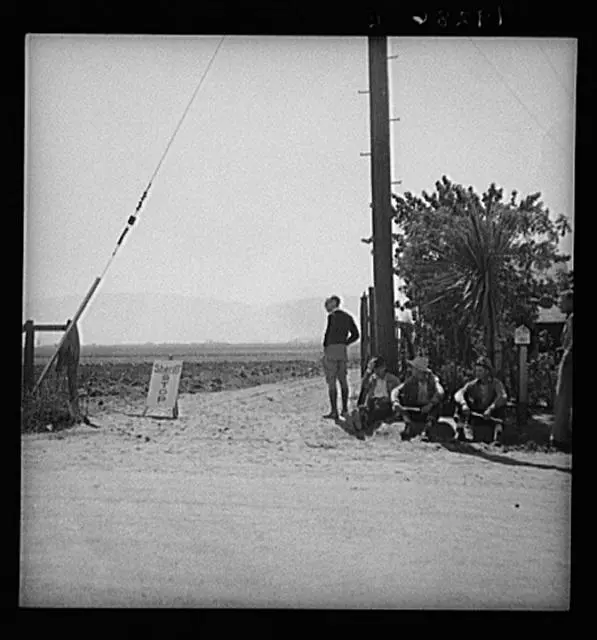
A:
[(515, 95), (130, 222)]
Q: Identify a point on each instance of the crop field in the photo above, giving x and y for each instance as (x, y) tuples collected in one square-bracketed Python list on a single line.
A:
[(126, 370)]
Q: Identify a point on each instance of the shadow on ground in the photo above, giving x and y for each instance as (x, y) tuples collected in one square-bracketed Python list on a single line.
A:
[(141, 415), (469, 449), (348, 428)]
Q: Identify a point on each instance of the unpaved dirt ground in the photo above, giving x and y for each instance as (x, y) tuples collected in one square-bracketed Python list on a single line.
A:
[(250, 499)]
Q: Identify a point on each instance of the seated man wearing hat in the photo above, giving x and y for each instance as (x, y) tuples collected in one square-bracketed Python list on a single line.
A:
[(375, 397), (485, 396), (418, 399)]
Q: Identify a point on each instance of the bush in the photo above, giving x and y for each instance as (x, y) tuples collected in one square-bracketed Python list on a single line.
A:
[(42, 409), (452, 377), (542, 378)]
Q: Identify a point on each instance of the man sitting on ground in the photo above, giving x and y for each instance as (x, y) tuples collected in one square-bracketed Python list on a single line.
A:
[(484, 396), (375, 397), (418, 399)]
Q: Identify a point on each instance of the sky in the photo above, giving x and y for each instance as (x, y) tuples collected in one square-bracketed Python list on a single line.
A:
[(263, 196)]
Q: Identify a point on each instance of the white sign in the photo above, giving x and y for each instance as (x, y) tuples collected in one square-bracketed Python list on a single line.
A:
[(163, 386), (522, 335)]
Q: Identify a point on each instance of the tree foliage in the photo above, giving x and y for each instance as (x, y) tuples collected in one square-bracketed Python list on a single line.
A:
[(473, 267)]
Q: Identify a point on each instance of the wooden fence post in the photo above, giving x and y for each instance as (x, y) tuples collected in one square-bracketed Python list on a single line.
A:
[(364, 333), (522, 338), (372, 323), (523, 400), (28, 356)]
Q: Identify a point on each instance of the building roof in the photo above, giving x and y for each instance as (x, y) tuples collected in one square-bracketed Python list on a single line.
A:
[(550, 316)]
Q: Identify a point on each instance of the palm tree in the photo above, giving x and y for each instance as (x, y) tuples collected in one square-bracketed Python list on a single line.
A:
[(469, 275)]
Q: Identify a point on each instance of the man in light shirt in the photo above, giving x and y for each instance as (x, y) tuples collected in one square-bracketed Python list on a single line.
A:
[(375, 397), (418, 399)]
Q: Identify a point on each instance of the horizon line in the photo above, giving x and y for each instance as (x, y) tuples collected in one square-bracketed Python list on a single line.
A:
[(200, 297), (297, 342)]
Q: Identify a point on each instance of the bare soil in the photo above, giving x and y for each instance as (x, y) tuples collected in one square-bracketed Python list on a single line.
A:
[(251, 499)]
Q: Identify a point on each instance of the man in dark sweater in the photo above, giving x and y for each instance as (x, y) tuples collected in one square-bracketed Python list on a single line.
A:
[(341, 331)]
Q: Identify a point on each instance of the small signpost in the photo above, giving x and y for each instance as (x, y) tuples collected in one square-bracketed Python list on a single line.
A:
[(522, 338), (163, 386), (522, 335)]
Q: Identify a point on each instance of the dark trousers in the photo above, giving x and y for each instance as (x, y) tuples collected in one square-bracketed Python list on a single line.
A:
[(417, 421), (483, 430), (373, 412), (418, 416), (376, 410)]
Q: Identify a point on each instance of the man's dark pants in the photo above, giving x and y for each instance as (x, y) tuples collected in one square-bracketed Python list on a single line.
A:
[(418, 421), (375, 411), (483, 430)]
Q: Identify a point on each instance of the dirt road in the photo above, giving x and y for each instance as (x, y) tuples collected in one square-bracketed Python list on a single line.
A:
[(250, 499)]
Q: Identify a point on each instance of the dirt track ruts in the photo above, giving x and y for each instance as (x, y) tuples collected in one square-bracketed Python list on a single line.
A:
[(251, 499)]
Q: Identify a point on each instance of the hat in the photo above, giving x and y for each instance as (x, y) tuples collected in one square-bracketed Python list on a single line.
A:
[(420, 363), (377, 361), (483, 361)]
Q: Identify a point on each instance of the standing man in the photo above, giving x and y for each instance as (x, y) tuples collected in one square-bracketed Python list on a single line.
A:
[(341, 332), (561, 436)]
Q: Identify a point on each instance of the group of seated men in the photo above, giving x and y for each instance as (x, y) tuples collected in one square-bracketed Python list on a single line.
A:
[(480, 404)]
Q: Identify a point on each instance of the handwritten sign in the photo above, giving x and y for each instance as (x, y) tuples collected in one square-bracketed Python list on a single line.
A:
[(163, 386), (522, 335)]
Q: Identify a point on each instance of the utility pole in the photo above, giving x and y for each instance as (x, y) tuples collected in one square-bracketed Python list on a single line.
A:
[(383, 266)]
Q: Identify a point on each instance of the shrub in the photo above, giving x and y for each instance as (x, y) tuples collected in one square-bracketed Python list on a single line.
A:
[(452, 377), (45, 408), (542, 377)]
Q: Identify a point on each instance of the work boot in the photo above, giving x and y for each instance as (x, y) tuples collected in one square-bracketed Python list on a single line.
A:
[(333, 415), (429, 433), (406, 434)]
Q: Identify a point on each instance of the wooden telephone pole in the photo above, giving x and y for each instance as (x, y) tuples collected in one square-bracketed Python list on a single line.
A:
[(383, 267)]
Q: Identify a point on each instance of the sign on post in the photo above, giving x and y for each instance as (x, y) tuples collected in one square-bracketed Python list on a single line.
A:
[(522, 338), (163, 386), (522, 335)]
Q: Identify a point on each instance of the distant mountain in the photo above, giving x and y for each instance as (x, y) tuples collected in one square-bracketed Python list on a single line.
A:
[(114, 319), (305, 320)]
